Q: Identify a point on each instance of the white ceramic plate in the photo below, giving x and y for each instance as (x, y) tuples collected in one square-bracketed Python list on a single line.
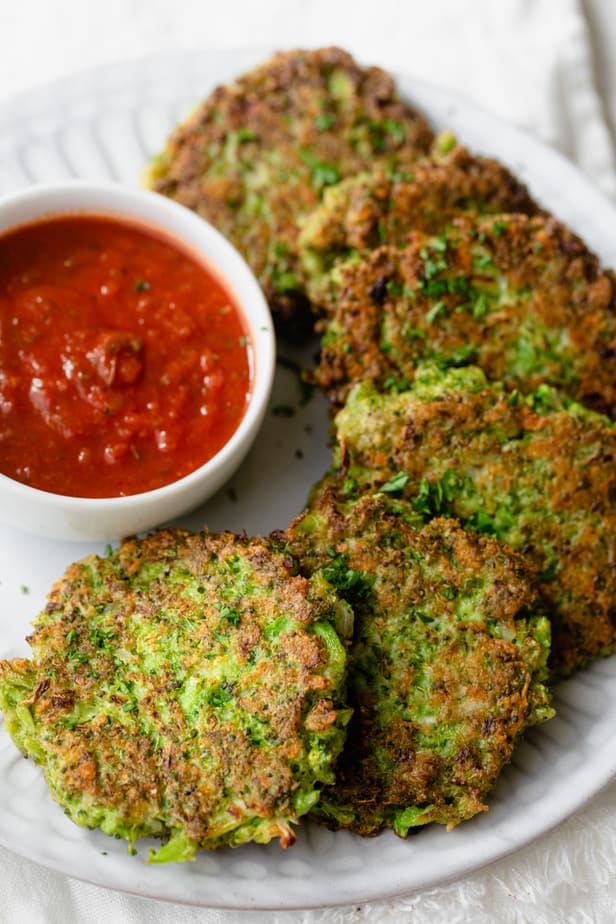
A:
[(103, 125)]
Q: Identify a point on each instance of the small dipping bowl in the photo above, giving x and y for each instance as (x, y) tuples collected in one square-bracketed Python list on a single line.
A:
[(58, 516)]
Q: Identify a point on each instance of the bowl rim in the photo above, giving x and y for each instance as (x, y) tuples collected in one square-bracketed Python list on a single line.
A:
[(129, 204)]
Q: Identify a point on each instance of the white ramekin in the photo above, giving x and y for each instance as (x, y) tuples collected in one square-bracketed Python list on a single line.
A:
[(77, 518)]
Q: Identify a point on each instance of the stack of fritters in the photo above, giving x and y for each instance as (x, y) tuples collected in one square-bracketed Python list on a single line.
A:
[(537, 472), (414, 276), (255, 157), (448, 661), (384, 207), (521, 297)]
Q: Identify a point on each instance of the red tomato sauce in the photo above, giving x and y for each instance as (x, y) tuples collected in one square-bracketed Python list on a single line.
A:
[(124, 362)]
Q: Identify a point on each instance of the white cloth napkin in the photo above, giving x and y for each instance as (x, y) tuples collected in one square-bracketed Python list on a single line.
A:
[(531, 61)]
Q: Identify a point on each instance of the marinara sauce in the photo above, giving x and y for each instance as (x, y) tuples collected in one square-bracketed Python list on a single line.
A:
[(124, 362)]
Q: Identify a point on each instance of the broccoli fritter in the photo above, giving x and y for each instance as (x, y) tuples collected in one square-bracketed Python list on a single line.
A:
[(520, 297), (379, 207), (447, 665), (185, 687), (255, 157), (537, 472)]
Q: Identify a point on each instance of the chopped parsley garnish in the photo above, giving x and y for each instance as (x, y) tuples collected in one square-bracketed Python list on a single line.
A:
[(394, 288), (382, 131), (349, 485), (439, 244), (550, 571), (396, 483), (431, 267), (399, 176), (413, 333), (461, 356), (482, 261), (514, 397), (543, 399), (231, 615), (480, 307), (324, 121), (245, 134), (435, 312), (79, 657), (347, 581), (286, 281), (434, 288), (433, 498), (396, 385), (322, 173), (395, 130)]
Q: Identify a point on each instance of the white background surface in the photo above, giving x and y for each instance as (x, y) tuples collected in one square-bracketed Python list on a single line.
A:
[(545, 64)]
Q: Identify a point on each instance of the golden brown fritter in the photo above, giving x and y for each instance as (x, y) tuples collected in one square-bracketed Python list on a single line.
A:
[(186, 686), (447, 666), (520, 297), (537, 472), (255, 157), (383, 207)]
